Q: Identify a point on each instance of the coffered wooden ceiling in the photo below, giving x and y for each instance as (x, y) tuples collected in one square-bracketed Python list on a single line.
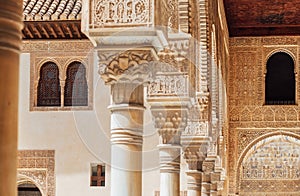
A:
[(263, 17)]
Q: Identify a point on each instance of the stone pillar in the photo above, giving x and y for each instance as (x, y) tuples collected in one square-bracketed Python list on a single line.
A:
[(10, 43), (170, 124), (169, 170), (194, 183), (126, 72), (127, 111)]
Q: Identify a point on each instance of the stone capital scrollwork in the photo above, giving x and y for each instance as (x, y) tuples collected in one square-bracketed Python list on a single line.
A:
[(127, 66)]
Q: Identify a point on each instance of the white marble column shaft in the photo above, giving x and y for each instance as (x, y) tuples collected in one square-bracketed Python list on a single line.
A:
[(127, 111)]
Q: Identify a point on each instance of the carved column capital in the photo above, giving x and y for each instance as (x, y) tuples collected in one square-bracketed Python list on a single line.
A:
[(195, 156), (170, 124), (132, 66)]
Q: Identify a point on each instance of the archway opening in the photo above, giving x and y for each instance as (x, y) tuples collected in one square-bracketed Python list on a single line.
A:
[(280, 80)]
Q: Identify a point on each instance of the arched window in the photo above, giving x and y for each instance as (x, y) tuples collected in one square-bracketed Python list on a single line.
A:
[(49, 87), (76, 89), (280, 80)]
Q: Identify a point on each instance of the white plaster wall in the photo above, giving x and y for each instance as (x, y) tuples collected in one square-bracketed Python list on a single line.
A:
[(80, 138), (76, 137)]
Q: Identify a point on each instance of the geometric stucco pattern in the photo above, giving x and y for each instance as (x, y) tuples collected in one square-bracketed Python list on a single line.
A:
[(249, 119), (37, 167), (272, 165), (62, 53)]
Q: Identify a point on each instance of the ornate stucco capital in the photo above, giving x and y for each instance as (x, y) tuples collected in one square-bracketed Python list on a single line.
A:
[(170, 123), (195, 155), (131, 66)]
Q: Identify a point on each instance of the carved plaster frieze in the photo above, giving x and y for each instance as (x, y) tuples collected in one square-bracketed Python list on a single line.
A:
[(114, 13), (196, 128), (169, 85), (173, 17)]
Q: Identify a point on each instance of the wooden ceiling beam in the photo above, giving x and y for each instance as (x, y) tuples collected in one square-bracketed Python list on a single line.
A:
[(60, 31), (52, 30), (28, 32), (66, 27), (77, 32), (44, 31), (35, 30), (48, 25)]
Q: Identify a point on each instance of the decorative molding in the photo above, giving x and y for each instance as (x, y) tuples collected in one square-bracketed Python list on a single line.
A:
[(184, 9)]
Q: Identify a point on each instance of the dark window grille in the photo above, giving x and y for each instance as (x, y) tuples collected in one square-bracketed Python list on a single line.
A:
[(76, 89), (280, 80), (98, 175), (49, 87)]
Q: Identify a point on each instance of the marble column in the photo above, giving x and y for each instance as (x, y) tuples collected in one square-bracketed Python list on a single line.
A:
[(127, 111), (170, 122), (126, 72), (194, 183), (169, 170), (10, 42)]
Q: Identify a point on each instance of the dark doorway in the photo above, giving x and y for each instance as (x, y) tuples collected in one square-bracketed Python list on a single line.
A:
[(280, 80)]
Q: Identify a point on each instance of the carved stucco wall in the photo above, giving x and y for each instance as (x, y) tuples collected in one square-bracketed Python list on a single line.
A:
[(37, 166), (251, 120)]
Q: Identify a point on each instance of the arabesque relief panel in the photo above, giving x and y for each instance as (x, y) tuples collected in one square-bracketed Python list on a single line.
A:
[(249, 117)]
